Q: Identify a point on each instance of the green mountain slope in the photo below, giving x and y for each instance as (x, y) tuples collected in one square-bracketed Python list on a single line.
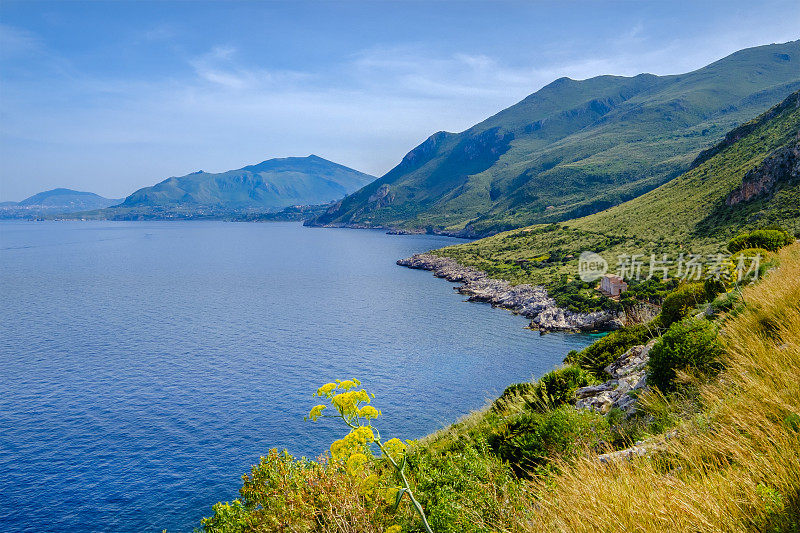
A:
[(55, 201), (750, 179), (572, 148), (272, 184)]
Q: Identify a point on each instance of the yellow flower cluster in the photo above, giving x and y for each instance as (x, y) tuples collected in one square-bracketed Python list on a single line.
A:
[(354, 450), (395, 448), (368, 412), (355, 463), (348, 384), (316, 412), (389, 494), (370, 483), (347, 402), (326, 389), (353, 442)]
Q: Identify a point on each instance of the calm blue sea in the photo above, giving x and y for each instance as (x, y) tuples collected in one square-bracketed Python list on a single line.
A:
[(144, 366)]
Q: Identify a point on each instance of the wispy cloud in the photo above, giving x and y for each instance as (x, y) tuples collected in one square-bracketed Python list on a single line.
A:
[(219, 67), (17, 41)]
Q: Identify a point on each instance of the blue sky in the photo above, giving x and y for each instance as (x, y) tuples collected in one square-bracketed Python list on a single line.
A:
[(113, 96)]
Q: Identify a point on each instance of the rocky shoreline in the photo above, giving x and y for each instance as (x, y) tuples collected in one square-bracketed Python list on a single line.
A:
[(530, 301)]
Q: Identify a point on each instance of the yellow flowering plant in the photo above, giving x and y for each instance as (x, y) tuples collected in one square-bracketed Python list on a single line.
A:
[(352, 406)]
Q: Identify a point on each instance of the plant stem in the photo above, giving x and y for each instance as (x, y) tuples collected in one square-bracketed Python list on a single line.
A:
[(414, 501)]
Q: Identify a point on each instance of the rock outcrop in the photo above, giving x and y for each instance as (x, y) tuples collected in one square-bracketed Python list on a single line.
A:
[(628, 374), (529, 301), (640, 449), (779, 168)]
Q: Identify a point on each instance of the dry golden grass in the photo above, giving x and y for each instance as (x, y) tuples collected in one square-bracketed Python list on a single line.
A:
[(736, 467)]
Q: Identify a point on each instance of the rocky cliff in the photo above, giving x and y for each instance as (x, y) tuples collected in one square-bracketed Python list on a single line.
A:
[(527, 300), (782, 167)]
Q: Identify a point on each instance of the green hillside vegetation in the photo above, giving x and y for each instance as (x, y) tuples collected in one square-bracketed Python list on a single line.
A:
[(271, 185), (722, 418), (572, 148), (697, 212)]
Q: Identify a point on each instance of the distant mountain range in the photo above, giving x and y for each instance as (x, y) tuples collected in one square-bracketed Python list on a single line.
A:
[(571, 149), (273, 184), (55, 201), (273, 189)]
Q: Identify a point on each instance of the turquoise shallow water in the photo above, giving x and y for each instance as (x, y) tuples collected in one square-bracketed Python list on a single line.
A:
[(146, 365)]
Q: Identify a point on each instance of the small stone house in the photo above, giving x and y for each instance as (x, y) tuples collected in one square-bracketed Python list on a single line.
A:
[(612, 285)]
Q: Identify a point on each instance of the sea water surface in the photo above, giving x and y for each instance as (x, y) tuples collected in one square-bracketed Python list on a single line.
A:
[(144, 366)]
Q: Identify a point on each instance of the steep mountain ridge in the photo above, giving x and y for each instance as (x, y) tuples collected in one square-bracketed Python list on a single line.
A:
[(748, 180), (571, 148)]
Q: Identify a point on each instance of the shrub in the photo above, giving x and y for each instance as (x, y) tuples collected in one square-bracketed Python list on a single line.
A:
[(557, 387), (738, 243), (286, 494), (712, 288), (511, 395), (769, 239), (690, 344), (580, 297), (725, 303), (651, 290), (532, 440), (680, 302), (453, 489), (751, 252), (597, 356)]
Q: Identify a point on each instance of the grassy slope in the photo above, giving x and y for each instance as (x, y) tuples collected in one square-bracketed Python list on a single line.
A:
[(686, 214), (732, 466), (602, 140)]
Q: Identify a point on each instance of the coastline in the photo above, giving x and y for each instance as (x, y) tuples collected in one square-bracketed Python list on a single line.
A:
[(530, 301), (393, 230)]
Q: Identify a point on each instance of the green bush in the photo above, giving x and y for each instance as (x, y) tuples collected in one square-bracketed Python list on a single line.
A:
[(769, 239), (533, 440), (738, 243), (713, 288), (725, 303), (690, 344), (557, 387), (597, 356), (651, 290), (452, 489), (511, 395), (580, 297), (680, 302), (749, 253)]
